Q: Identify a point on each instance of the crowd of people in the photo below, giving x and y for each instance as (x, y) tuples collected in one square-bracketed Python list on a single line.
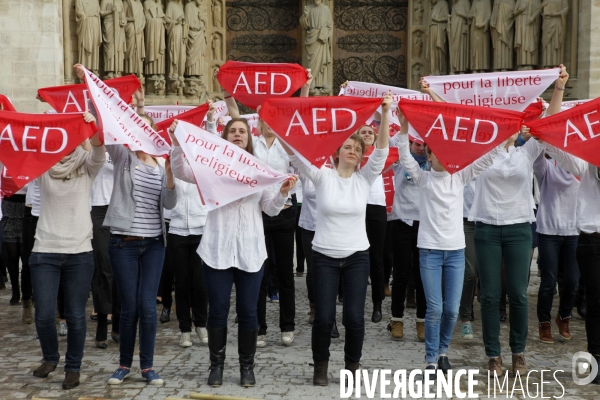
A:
[(129, 227)]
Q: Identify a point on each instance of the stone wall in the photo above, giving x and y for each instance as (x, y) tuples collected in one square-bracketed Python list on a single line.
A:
[(589, 49), (31, 50)]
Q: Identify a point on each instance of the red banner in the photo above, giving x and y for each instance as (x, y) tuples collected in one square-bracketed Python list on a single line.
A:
[(315, 127), (392, 157), (574, 131), (458, 134), (533, 111), (30, 144), (388, 188), (253, 83), (74, 98), (6, 104), (194, 116)]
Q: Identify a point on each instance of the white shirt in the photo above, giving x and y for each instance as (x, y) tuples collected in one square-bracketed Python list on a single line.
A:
[(406, 195), (275, 156), (308, 213), (342, 204), (588, 203), (377, 193), (441, 199), (504, 193), (33, 198), (469, 196), (103, 184), (189, 215), (233, 234)]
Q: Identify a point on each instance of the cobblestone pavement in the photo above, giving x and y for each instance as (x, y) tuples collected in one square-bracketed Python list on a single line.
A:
[(281, 372)]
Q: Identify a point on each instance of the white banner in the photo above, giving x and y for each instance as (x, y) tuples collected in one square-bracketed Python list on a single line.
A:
[(220, 109), (120, 123), (252, 122), (223, 171), (567, 105), (160, 113), (513, 90)]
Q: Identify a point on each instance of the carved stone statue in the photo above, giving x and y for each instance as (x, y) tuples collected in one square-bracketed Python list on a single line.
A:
[(134, 36), (155, 38), (437, 37), (89, 34), (417, 46), (502, 23), (215, 82), (481, 11), (527, 32), (417, 74), (458, 36), (418, 11), (196, 43), (177, 38), (318, 23), (554, 28), (217, 12), (113, 36), (217, 47)]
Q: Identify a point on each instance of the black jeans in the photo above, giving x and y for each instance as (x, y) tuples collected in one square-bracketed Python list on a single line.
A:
[(557, 253), (279, 239), (588, 258), (376, 222), (167, 278), (406, 261), (190, 285), (29, 226), (307, 238), (388, 253), (354, 273), (300, 254)]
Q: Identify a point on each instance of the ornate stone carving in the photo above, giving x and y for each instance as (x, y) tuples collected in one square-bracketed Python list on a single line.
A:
[(502, 24), (270, 44), (480, 35), (373, 43), (113, 36), (438, 49), (255, 15), (386, 70), (418, 10), (554, 29), (176, 39), (155, 38), (89, 33), (217, 47), (215, 83), (318, 25), (196, 42), (217, 13), (417, 44), (527, 32), (134, 36), (417, 73), (458, 36), (379, 15)]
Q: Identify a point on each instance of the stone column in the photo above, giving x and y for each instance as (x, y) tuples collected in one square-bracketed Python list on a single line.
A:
[(589, 49), (418, 42)]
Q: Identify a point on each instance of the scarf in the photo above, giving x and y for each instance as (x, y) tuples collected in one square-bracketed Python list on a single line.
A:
[(423, 163), (71, 166)]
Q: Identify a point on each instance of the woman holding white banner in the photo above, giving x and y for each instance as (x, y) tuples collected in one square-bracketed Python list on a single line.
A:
[(233, 250)]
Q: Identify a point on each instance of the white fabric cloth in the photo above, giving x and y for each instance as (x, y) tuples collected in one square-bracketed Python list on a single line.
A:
[(377, 193), (557, 210), (588, 204), (504, 191), (189, 215), (308, 213), (441, 199), (103, 184), (468, 197), (342, 205), (233, 234), (33, 197), (406, 196), (275, 156)]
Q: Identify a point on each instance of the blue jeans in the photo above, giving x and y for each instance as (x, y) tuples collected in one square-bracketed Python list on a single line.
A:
[(247, 286), (77, 271), (442, 309), (137, 266), (557, 252), (354, 272)]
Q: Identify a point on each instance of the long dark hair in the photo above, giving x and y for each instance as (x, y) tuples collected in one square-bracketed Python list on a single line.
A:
[(249, 148)]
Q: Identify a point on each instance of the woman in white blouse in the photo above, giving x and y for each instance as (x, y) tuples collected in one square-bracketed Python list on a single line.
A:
[(340, 246), (233, 250)]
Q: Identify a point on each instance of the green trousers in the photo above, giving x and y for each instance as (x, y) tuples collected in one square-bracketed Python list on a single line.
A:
[(512, 243)]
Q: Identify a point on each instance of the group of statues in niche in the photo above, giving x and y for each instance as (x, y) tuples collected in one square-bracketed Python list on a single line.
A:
[(476, 37), (142, 39)]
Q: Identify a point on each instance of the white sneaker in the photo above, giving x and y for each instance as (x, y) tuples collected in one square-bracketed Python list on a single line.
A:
[(202, 335), (62, 328), (287, 338), (261, 341), (186, 339)]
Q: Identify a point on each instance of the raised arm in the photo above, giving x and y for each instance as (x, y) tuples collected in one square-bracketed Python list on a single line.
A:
[(180, 167), (232, 107), (566, 161), (306, 87), (426, 89), (383, 138), (406, 159), (559, 91), (272, 202), (481, 164)]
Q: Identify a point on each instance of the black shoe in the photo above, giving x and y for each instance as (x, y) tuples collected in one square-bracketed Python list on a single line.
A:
[(115, 336), (71, 380), (165, 316), (217, 344), (444, 364), (101, 344), (430, 368), (44, 370), (94, 317), (596, 380), (14, 300), (376, 317), (334, 331), (246, 352), (502, 316), (320, 377)]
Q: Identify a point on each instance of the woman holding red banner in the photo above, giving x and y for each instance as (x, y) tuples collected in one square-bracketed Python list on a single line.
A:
[(63, 252), (233, 250), (342, 195)]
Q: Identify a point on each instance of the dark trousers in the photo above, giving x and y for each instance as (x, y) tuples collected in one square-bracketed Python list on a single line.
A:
[(307, 238), (406, 261), (190, 287), (76, 271), (470, 279), (137, 267), (557, 253), (279, 239), (29, 226), (300, 254), (588, 258), (167, 278), (247, 287), (376, 222), (388, 253), (354, 273)]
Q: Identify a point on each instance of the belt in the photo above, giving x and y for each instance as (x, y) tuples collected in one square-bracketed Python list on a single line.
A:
[(129, 238)]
